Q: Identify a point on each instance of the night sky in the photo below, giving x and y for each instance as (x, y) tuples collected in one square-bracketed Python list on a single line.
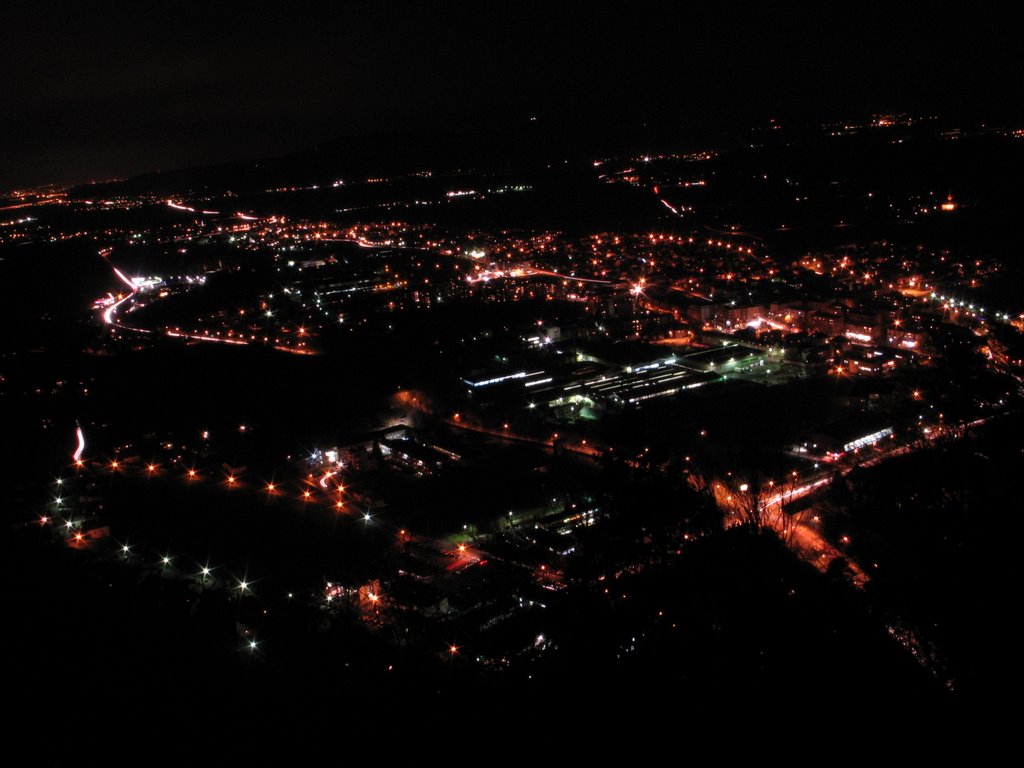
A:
[(101, 93)]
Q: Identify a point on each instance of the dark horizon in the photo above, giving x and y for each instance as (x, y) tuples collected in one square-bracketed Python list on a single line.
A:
[(94, 97)]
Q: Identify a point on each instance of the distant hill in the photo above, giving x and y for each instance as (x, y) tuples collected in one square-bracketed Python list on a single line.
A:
[(520, 144)]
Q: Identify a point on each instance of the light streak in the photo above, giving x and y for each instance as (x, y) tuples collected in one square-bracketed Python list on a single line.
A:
[(81, 443)]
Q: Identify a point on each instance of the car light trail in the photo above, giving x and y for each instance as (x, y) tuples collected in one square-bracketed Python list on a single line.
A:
[(77, 456), (109, 312), (189, 209), (196, 337), (515, 272)]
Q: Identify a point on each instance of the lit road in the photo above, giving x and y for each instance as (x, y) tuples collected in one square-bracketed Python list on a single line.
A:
[(189, 209), (800, 530), (465, 556), (112, 306), (418, 402), (110, 312), (528, 271)]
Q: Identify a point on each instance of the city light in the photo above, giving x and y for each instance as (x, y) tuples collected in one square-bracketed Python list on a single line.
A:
[(850, 356)]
